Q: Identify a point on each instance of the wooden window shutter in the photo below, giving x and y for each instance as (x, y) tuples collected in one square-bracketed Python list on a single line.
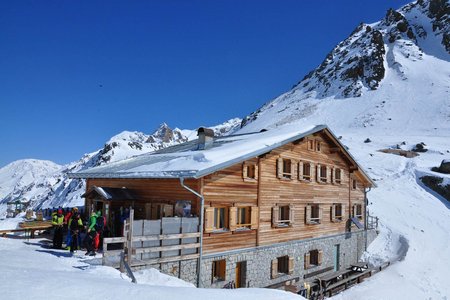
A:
[(353, 210), (307, 257), (233, 218), (333, 175), (293, 169), (328, 174), (168, 210), (256, 171), (343, 211), (280, 167), (320, 214), (148, 211), (308, 214), (275, 212), (320, 256), (313, 171), (244, 170), (222, 269), (291, 266), (333, 213), (209, 219), (300, 170), (291, 214), (318, 173), (254, 217), (154, 211), (274, 268)]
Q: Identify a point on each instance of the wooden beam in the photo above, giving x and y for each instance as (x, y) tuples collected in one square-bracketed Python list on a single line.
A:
[(157, 237), (165, 260), (165, 248)]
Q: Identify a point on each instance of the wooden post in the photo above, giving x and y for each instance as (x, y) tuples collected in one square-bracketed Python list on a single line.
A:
[(105, 249), (130, 237)]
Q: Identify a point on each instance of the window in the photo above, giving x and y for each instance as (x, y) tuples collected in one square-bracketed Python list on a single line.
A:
[(318, 146), (283, 265), (305, 171), (337, 212), (322, 174), (337, 176), (311, 145), (357, 211), (313, 214), (218, 270), (243, 217), (220, 218), (249, 172), (282, 215), (354, 184), (285, 168), (313, 258), (160, 210)]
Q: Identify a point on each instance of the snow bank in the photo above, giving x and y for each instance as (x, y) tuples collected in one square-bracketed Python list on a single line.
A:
[(29, 271)]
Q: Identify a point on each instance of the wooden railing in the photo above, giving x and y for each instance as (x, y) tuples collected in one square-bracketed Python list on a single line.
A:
[(139, 255), (372, 222)]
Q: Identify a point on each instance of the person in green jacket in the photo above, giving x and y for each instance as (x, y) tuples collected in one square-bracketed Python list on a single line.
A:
[(92, 236), (57, 222)]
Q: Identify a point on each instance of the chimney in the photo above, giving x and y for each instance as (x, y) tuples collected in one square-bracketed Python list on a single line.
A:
[(205, 138)]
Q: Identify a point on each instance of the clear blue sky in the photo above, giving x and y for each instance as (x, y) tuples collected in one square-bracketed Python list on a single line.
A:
[(75, 73)]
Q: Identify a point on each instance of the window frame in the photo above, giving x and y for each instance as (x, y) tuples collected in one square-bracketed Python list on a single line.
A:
[(287, 166), (302, 165), (354, 184), (247, 216), (335, 217), (358, 208), (276, 219), (315, 214), (323, 179), (217, 210), (219, 271), (250, 172), (337, 179), (283, 265)]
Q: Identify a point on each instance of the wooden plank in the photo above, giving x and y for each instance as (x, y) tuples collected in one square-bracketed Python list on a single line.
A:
[(114, 240), (157, 237), (165, 248), (165, 260), (110, 253)]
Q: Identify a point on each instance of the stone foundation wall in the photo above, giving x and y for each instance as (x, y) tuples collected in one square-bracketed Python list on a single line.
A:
[(258, 260)]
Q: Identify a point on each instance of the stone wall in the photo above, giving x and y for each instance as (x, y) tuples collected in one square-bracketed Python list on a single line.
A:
[(258, 273), (258, 260)]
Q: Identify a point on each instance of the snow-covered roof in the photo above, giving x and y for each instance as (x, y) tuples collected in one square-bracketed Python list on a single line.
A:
[(187, 161)]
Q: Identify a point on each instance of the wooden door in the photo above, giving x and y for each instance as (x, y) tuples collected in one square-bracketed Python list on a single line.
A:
[(241, 270)]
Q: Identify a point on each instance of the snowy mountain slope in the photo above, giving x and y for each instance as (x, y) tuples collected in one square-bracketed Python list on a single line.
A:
[(399, 64), (53, 188), (414, 223), (393, 92), (22, 173)]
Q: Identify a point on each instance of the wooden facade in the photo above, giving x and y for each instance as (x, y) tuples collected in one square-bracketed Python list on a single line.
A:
[(268, 199)]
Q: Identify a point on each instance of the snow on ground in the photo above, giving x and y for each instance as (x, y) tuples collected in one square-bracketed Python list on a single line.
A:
[(414, 224), (29, 271)]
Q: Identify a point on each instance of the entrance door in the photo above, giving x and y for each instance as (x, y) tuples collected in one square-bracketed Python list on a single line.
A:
[(241, 270), (336, 254)]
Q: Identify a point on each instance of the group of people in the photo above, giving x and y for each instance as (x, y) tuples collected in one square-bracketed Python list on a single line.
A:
[(77, 234)]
